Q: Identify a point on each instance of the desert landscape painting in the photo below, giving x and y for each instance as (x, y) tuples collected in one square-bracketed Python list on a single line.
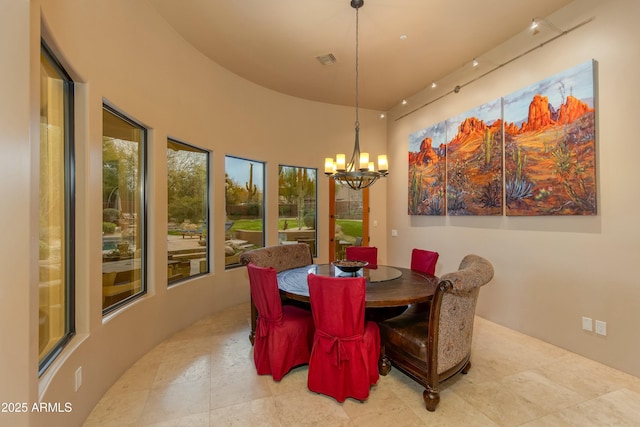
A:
[(550, 148), (427, 171), (474, 161), (548, 134)]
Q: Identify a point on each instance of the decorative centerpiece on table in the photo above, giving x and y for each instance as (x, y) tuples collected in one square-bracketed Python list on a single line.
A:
[(349, 266)]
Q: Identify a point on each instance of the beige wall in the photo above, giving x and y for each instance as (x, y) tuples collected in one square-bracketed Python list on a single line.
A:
[(550, 271), (18, 309), (122, 52)]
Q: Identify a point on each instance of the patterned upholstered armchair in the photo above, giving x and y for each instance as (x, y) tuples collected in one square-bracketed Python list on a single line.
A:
[(434, 346), (283, 257)]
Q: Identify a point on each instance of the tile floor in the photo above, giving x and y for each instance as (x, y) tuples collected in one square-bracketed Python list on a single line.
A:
[(204, 376)]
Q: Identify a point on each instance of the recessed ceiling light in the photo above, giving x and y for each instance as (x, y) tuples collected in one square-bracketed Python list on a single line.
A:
[(382, 116), (434, 85), (475, 62), (404, 102), (403, 37)]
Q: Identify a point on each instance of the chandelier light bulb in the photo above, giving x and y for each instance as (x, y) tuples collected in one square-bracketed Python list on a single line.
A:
[(364, 161), (383, 165), (329, 165)]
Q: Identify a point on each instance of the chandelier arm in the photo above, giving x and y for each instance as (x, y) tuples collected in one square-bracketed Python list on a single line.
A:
[(357, 180), (354, 164)]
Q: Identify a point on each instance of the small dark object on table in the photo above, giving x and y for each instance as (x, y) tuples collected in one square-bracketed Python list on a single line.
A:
[(350, 266)]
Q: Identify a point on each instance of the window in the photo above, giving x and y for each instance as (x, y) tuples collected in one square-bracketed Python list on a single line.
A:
[(123, 209), (188, 210), (56, 309), (348, 218), (297, 206), (244, 198)]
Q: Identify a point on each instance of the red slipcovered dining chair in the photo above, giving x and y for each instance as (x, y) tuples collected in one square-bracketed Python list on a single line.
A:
[(346, 349), (363, 253), (424, 261), (284, 334)]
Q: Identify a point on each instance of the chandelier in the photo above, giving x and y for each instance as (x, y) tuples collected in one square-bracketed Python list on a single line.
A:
[(359, 173)]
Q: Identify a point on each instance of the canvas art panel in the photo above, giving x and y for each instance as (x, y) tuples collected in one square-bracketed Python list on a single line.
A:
[(542, 135), (427, 171), (474, 161), (550, 147)]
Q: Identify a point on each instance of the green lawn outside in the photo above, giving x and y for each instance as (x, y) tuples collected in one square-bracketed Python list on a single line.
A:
[(256, 224), (350, 228), (247, 224), (292, 223)]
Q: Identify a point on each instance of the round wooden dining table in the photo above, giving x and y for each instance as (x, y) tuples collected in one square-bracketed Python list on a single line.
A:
[(387, 286)]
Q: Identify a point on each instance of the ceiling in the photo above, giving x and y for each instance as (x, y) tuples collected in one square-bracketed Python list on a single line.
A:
[(275, 43)]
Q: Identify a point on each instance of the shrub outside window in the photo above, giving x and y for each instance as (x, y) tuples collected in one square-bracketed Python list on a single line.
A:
[(123, 209), (244, 201), (188, 211), (297, 206), (56, 307)]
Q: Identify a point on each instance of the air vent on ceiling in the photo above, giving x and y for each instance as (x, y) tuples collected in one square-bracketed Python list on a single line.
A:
[(327, 59)]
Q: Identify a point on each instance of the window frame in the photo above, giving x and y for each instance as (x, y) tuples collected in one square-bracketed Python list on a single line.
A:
[(144, 205), (69, 206), (314, 250), (262, 202), (207, 219)]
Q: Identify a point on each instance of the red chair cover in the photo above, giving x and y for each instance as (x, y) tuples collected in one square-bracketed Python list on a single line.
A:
[(284, 334), (363, 253), (424, 261), (344, 357)]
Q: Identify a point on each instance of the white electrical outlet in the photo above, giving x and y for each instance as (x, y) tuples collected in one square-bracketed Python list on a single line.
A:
[(601, 327), (587, 323), (394, 233), (78, 378)]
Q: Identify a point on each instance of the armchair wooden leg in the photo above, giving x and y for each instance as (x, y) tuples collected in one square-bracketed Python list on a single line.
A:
[(431, 398), (384, 364)]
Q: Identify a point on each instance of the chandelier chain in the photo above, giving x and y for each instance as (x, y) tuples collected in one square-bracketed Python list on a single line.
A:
[(357, 44), (358, 173)]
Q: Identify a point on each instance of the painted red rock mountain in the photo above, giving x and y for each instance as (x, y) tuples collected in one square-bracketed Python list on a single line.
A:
[(426, 155), (542, 115), (473, 126)]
